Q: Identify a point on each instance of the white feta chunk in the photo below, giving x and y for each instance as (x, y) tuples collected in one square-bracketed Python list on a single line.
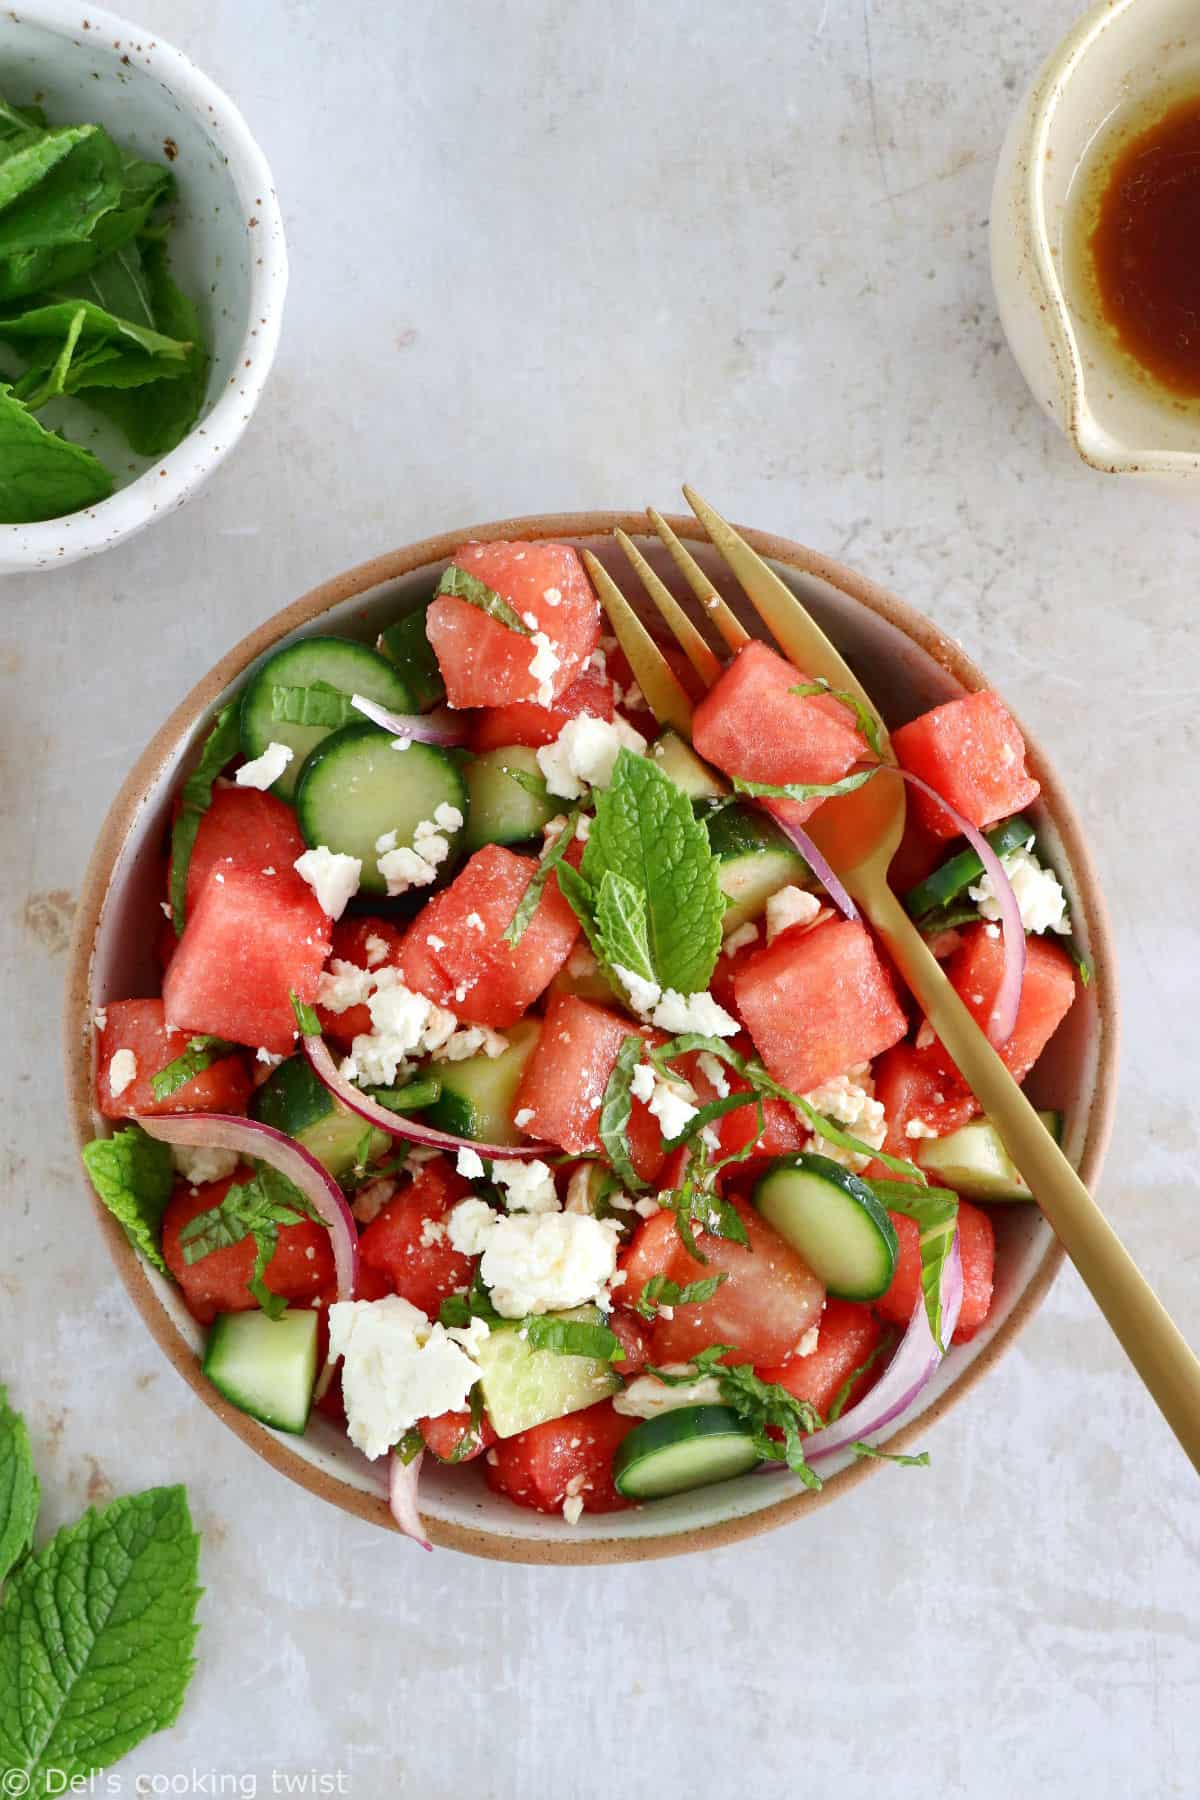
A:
[(584, 753), (471, 1225), (201, 1164), (790, 906), (122, 1071), (740, 939), (397, 1368), (677, 1012), (528, 1186), (469, 1164), (266, 769), (849, 1100), (647, 1398), (332, 877), (537, 1262), (544, 665), (1038, 892), (643, 995)]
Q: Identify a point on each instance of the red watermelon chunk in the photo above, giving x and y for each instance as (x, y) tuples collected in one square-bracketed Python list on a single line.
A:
[(818, 1002), (138, 1026), (565, 1078), (454, 951), (1047, 992), (977, 1247), (751, 724), (245, 828), (848, 1334), (525, 722), (912, 1084), (971, 750), (483, 662), (251, 940), (368, 944)]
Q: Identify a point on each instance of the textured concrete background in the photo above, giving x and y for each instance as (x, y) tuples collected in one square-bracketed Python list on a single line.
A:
[(550, 255)]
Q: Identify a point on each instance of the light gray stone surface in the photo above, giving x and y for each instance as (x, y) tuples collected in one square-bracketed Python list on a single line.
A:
[(554, 255)]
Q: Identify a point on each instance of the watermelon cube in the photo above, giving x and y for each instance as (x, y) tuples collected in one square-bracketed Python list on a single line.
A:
[(139, 1027), (251, 941), (977, 1247), (818, 1002), (525, 722), (848, 1334), (971, 750), (1047, 992), (485, 662), (454, 951), (751, 724), (912, 1084), (565, 1078), (246, 828)]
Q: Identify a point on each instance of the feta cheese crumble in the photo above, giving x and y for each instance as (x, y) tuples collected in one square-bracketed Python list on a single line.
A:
[(584, 753), (808, 1342), (370, 1201), (537, 1262), (397, 1368), (469, 1164), (849, 1100), (1039, 895), (669, 1101), (544, 665), (203, 1164), (677, 1012), (918, 1128), (266, 769), (647, 1398), (643, 995), (790, 906), (469, 1042), (404, 867), (332, 877), (122, 1070), (713, 1071), (528, 1186), (740, 939), (403, 1023)]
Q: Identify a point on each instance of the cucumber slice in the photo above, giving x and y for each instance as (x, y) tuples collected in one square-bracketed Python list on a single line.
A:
[(834, 1221), (293, 1100), (355, 787), (503, 811), (688, 771), (974, 1162), (756, 861), (479, 1094), (314, 680), (524, 1387), (955, 876), (265, 1367), (406, 644), (691, 1447)]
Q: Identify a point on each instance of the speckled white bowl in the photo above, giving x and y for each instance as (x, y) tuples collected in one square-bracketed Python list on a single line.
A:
[(227, 248)]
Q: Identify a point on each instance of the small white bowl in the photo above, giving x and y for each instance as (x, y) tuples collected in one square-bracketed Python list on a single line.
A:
[(1116, 65), (227, 247)]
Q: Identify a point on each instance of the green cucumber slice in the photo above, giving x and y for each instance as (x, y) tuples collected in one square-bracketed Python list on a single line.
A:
[(406, 644), (504, 811), (293, 1100), (955, 876), (690, 1447), (688, 771), (265, 1367), (974, 1162), (354, 788), (834, 1221), (524, 1387), (314, 680), (756, 861), (478, 1095)]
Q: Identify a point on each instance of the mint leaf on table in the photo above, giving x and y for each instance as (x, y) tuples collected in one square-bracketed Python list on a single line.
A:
[(19, 1491), (42, 475), (254, 1209), (157, 417), (220, 746), (133, 1175), (465, 586), (645, 832), (97, 1633)]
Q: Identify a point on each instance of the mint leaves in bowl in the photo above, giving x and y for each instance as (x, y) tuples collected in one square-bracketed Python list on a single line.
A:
[(142, 274)]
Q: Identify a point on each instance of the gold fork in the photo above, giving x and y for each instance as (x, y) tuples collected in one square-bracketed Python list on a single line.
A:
[(858, 833)]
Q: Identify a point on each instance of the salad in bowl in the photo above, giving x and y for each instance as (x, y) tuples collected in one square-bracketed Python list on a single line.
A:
[(516, 1098)]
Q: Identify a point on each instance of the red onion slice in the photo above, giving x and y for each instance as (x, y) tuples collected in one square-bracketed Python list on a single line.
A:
[(812, 856), (411, 1130), (427, 728), (247, 1137), (402, 1496), (1008, 996)]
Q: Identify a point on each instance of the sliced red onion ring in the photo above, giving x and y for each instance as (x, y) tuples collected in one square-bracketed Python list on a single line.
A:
[(812, 856), (247, 1137), (326, 1070), (402, 1496), (1008, 996), (439, 727)]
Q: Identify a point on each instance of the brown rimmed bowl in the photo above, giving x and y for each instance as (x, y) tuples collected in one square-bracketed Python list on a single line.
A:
[(908, 665)]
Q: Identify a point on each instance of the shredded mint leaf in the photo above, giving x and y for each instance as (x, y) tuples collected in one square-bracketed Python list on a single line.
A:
[(936, 1213), (43, 475), (806, 790), (865, 718), (470, 1439), (133, 1175), (660, 1290), (410, 1098), (96, 1638), (307, 1020), (646, 832), (838, 1404), (201, 1053), (705, 1362), (220, 746), (320, 704), (410, 1445), (862, 1450), (468, 587), (552, 858), (571, 1337), (764, 1407), (579, 897), (621, 925), (697, 1202), (615, 1110), (19, 1490), (254, 1209), (532, 784)]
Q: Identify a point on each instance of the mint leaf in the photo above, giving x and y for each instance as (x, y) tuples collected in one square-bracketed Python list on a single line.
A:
[(532, 784), (133, 1175), (19, 1490), (571, 1337), (552, 858), (621, 925), (201, 1053), (936, 1213), (254, 1209), (157, 417), (307, 1019), (320, 704), (96, 1638), (864, 718), (660, 1290), (64, 204), (468, 587), (862, 1450), (220, 746), (34, 154), (55, 317), (765, 1408), (143, 186), (615, 1110), (52, 381), (837, 1405), (645, 832), (42, 475), (806, 790)]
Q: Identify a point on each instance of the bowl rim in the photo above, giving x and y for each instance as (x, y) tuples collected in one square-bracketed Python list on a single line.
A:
[(173, 478), (123, 816)]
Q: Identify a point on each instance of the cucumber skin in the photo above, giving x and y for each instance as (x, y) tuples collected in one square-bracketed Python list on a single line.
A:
[(294, 1101), (953, 877), (672, 1432), (257, 732), (811, 1164), (501, 811)]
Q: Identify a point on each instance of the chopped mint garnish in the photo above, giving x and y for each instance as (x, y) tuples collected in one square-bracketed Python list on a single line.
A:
[(220, 746), (319, 704), (306, 1016), (254, 1209), (660, 1290), (201, 1053), (863, 1451), (552, 857), (616, 1109), (133, 1175), (865, 718), (806, 790), (468, 587), (936, 1213)]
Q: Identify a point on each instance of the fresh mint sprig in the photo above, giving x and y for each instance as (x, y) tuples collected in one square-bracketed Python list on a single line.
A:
[(133, 1174)]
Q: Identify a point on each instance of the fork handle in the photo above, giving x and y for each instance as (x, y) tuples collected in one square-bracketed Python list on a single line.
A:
[(1151, 1340)]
